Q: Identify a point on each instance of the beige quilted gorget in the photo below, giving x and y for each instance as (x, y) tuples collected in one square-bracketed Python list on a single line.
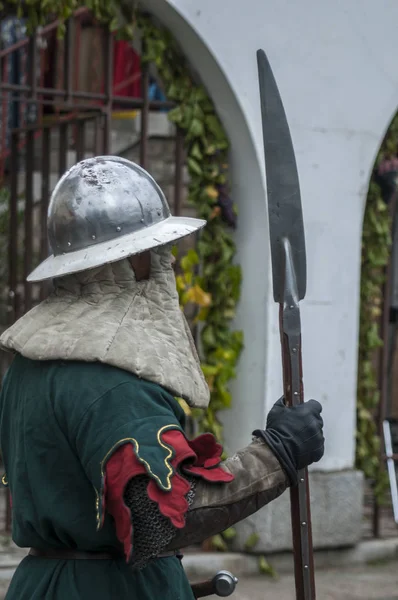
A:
[(105, 315)]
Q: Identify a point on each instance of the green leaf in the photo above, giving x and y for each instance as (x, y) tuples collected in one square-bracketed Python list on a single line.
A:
[(214, 126), (195, 152), (190, 260), (196, 295), (218, 543), (210, 370), (195, 129), (175, 115), (229, 534), (208, 336), (266, 569), (224, 395), (187, 116), (252, 541), (194, 167)]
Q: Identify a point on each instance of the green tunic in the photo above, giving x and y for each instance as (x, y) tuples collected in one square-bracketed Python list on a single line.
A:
[(60, 423)]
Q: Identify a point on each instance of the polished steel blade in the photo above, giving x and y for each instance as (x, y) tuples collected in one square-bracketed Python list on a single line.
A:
[(283, 188)]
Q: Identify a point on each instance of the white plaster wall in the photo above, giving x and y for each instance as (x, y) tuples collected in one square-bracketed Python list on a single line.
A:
[(337, 69)]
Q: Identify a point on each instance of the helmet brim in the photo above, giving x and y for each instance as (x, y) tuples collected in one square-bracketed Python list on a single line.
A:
[(165, 232)]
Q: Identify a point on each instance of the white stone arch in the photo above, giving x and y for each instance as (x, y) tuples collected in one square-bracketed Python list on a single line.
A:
[(336, 70), (365, 203), (385, 126), (252, 232), (338, 87)]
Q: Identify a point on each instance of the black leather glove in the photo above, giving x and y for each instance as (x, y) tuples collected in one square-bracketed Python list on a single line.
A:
[(295, 435)]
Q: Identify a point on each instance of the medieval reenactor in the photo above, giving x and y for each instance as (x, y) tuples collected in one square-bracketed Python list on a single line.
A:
[(106, 488)]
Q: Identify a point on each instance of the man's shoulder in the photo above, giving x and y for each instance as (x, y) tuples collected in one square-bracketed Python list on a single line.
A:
[(70, 368), (77, 387), (98, 376), (102, 378), (84, 380)]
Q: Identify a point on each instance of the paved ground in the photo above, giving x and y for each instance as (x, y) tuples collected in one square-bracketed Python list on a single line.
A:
[(369, 583), (365, 583)]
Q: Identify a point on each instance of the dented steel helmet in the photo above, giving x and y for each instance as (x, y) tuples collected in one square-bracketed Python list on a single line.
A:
[(105, 209)]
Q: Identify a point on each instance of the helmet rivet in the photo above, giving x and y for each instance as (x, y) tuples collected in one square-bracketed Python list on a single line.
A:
[(69, 243), (93, 237), (118, 228)]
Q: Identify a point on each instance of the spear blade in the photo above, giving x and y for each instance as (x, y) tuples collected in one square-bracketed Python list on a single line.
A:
[(283, 186), (289, 275)]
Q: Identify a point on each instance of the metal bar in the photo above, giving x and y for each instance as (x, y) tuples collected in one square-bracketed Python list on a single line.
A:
[(28, 218), (12, 268), (80, 125), (108, 62), (75, 51), (45, 187), (31, 112), (29, 168), (13, 48), (392, 475), (44, 30), (45, 192), (12, 263), (69, 106), (43, 52), (48, 125), (68, 60), (122, 84), (3, 123), (18, 305), (133, 103), (393, 456), (41, 75), (32, 58), (392, 344), (97, 125), (179, 165), (144, 115), (63, 148), (22, 144), (54, 122), (383, 361), (13, 228)]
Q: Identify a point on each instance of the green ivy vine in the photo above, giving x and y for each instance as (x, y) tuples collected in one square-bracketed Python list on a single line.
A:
[(376, 244), (209, 279), (118, 15)]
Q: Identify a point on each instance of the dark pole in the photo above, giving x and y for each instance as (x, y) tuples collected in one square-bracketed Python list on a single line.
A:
[(383, 377), (290, 332)]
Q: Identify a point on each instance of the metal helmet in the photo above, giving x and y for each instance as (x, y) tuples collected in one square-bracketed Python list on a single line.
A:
[(105, 209)]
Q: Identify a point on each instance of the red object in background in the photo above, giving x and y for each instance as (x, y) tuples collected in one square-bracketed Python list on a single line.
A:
[(126, 71)]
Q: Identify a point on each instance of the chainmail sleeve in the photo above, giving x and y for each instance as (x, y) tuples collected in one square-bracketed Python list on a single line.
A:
[(151, 485), (152, 532)]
